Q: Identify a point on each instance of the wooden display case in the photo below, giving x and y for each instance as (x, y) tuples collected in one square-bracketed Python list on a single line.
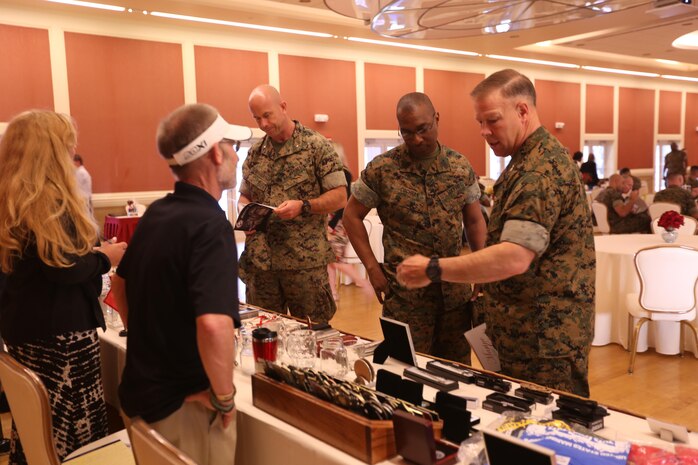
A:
[(368, 440)]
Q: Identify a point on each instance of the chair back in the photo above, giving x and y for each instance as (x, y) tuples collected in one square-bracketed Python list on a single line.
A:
[(657, 208), (689, 227), (601, 214), (31, 411), (150, 448), (350, 255), (668, 277), (595, 191)]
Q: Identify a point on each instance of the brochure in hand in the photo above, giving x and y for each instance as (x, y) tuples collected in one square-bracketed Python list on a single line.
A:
[(254, 217)]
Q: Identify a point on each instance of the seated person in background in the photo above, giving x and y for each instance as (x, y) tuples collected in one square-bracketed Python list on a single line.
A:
[(676, 194), (629, 186), (577, 157), (620, 211), (625, 172), (692, 181)]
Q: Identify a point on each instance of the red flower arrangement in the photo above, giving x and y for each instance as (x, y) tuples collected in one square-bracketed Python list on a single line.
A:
[(670, 220)]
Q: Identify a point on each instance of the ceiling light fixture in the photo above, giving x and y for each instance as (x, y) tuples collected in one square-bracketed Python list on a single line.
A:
[(680, 78), (620, 71), (100, 6), (424, 48), (534, 61), (222, 22)]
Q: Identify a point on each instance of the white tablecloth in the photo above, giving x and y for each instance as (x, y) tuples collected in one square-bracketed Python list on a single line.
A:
[(615, 277), (264, 439)]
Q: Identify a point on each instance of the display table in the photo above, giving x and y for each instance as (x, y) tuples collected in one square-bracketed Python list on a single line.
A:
[(615, 278), (121, 227), (264, 439)]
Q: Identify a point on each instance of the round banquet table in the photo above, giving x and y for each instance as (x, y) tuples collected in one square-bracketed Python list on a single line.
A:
[(615, 278)]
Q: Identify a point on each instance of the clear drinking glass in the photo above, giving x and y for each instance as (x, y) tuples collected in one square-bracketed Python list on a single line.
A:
[(333, 357), (301, 347)]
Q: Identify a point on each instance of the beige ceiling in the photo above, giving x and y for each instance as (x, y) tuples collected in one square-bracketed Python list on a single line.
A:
[(631, 39)]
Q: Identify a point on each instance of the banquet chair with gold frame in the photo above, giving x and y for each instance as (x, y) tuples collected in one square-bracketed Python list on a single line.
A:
[(31, 411), (601, 214), (150, 448), (668, 278), (656, 209)]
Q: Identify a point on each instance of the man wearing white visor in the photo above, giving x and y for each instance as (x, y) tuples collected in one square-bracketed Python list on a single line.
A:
[(177, 292)]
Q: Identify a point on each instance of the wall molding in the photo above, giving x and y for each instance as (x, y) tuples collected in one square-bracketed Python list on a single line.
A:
[(118, 199)]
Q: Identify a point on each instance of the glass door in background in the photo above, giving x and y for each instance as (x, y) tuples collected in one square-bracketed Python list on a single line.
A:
[(660, 150), (374, 147), (605, 164), (495, 164)]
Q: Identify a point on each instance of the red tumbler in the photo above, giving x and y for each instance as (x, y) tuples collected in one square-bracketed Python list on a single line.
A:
[(264, 347)]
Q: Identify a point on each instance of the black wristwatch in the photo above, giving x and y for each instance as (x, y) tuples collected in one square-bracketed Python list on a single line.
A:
[(305, 209), (434, 270)]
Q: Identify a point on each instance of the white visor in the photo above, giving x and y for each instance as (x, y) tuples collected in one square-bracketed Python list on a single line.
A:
[(215, 133)]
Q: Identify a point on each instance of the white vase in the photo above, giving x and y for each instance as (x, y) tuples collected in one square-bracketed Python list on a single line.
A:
[(670, 236)]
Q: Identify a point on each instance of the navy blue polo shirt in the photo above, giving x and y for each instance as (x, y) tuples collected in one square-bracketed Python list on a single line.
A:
[(181, 263)]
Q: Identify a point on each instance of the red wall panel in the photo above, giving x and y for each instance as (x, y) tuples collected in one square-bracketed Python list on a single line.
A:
[(384, 85), (449, 91), (25, 71), (225, 78), (636, 128), (120, 89), (691, 130), (560, 102), (599, 110), (669, 115), (317, 85)]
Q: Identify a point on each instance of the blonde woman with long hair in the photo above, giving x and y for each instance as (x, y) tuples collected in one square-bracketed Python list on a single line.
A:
[(49, 310)]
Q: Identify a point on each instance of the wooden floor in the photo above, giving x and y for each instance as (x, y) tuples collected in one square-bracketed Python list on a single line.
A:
[(662, 387)]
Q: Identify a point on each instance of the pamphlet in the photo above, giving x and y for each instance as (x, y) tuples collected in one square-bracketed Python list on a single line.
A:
[(254, 217), (483, 348)]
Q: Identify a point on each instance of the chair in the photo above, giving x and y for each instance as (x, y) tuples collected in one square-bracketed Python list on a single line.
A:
[(31, 411), (350, 257), (668, 277), (150, 448), (601, 214), (595, 191), (690, 225), (657, 208)]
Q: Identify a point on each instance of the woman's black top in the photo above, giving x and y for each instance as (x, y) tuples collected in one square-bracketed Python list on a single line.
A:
[(41, 301), (336, 216)]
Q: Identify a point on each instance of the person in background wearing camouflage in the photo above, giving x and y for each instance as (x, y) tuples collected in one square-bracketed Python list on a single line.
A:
[(676, 194), (539, 260), (692, 180), (675, 161), (296, 170), (424, 192), (624, 215)]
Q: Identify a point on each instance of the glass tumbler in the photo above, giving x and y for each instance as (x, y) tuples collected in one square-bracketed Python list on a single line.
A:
[(333, 357), (301, 348)]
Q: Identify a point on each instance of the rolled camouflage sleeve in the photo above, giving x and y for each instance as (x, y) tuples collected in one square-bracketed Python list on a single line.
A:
[(527, 234), (472, 194), (329, 167), (364, 194)]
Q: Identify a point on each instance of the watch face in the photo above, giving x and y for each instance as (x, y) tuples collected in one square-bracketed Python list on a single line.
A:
[(433, 270)]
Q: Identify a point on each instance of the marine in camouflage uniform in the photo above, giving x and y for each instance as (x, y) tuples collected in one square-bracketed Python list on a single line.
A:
[(543, 319), (678, 196), (286, 266), (632, 223), (421, 212), (675, 161)]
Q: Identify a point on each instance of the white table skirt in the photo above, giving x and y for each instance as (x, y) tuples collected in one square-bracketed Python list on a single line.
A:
[(264, 439), (615, 278)]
